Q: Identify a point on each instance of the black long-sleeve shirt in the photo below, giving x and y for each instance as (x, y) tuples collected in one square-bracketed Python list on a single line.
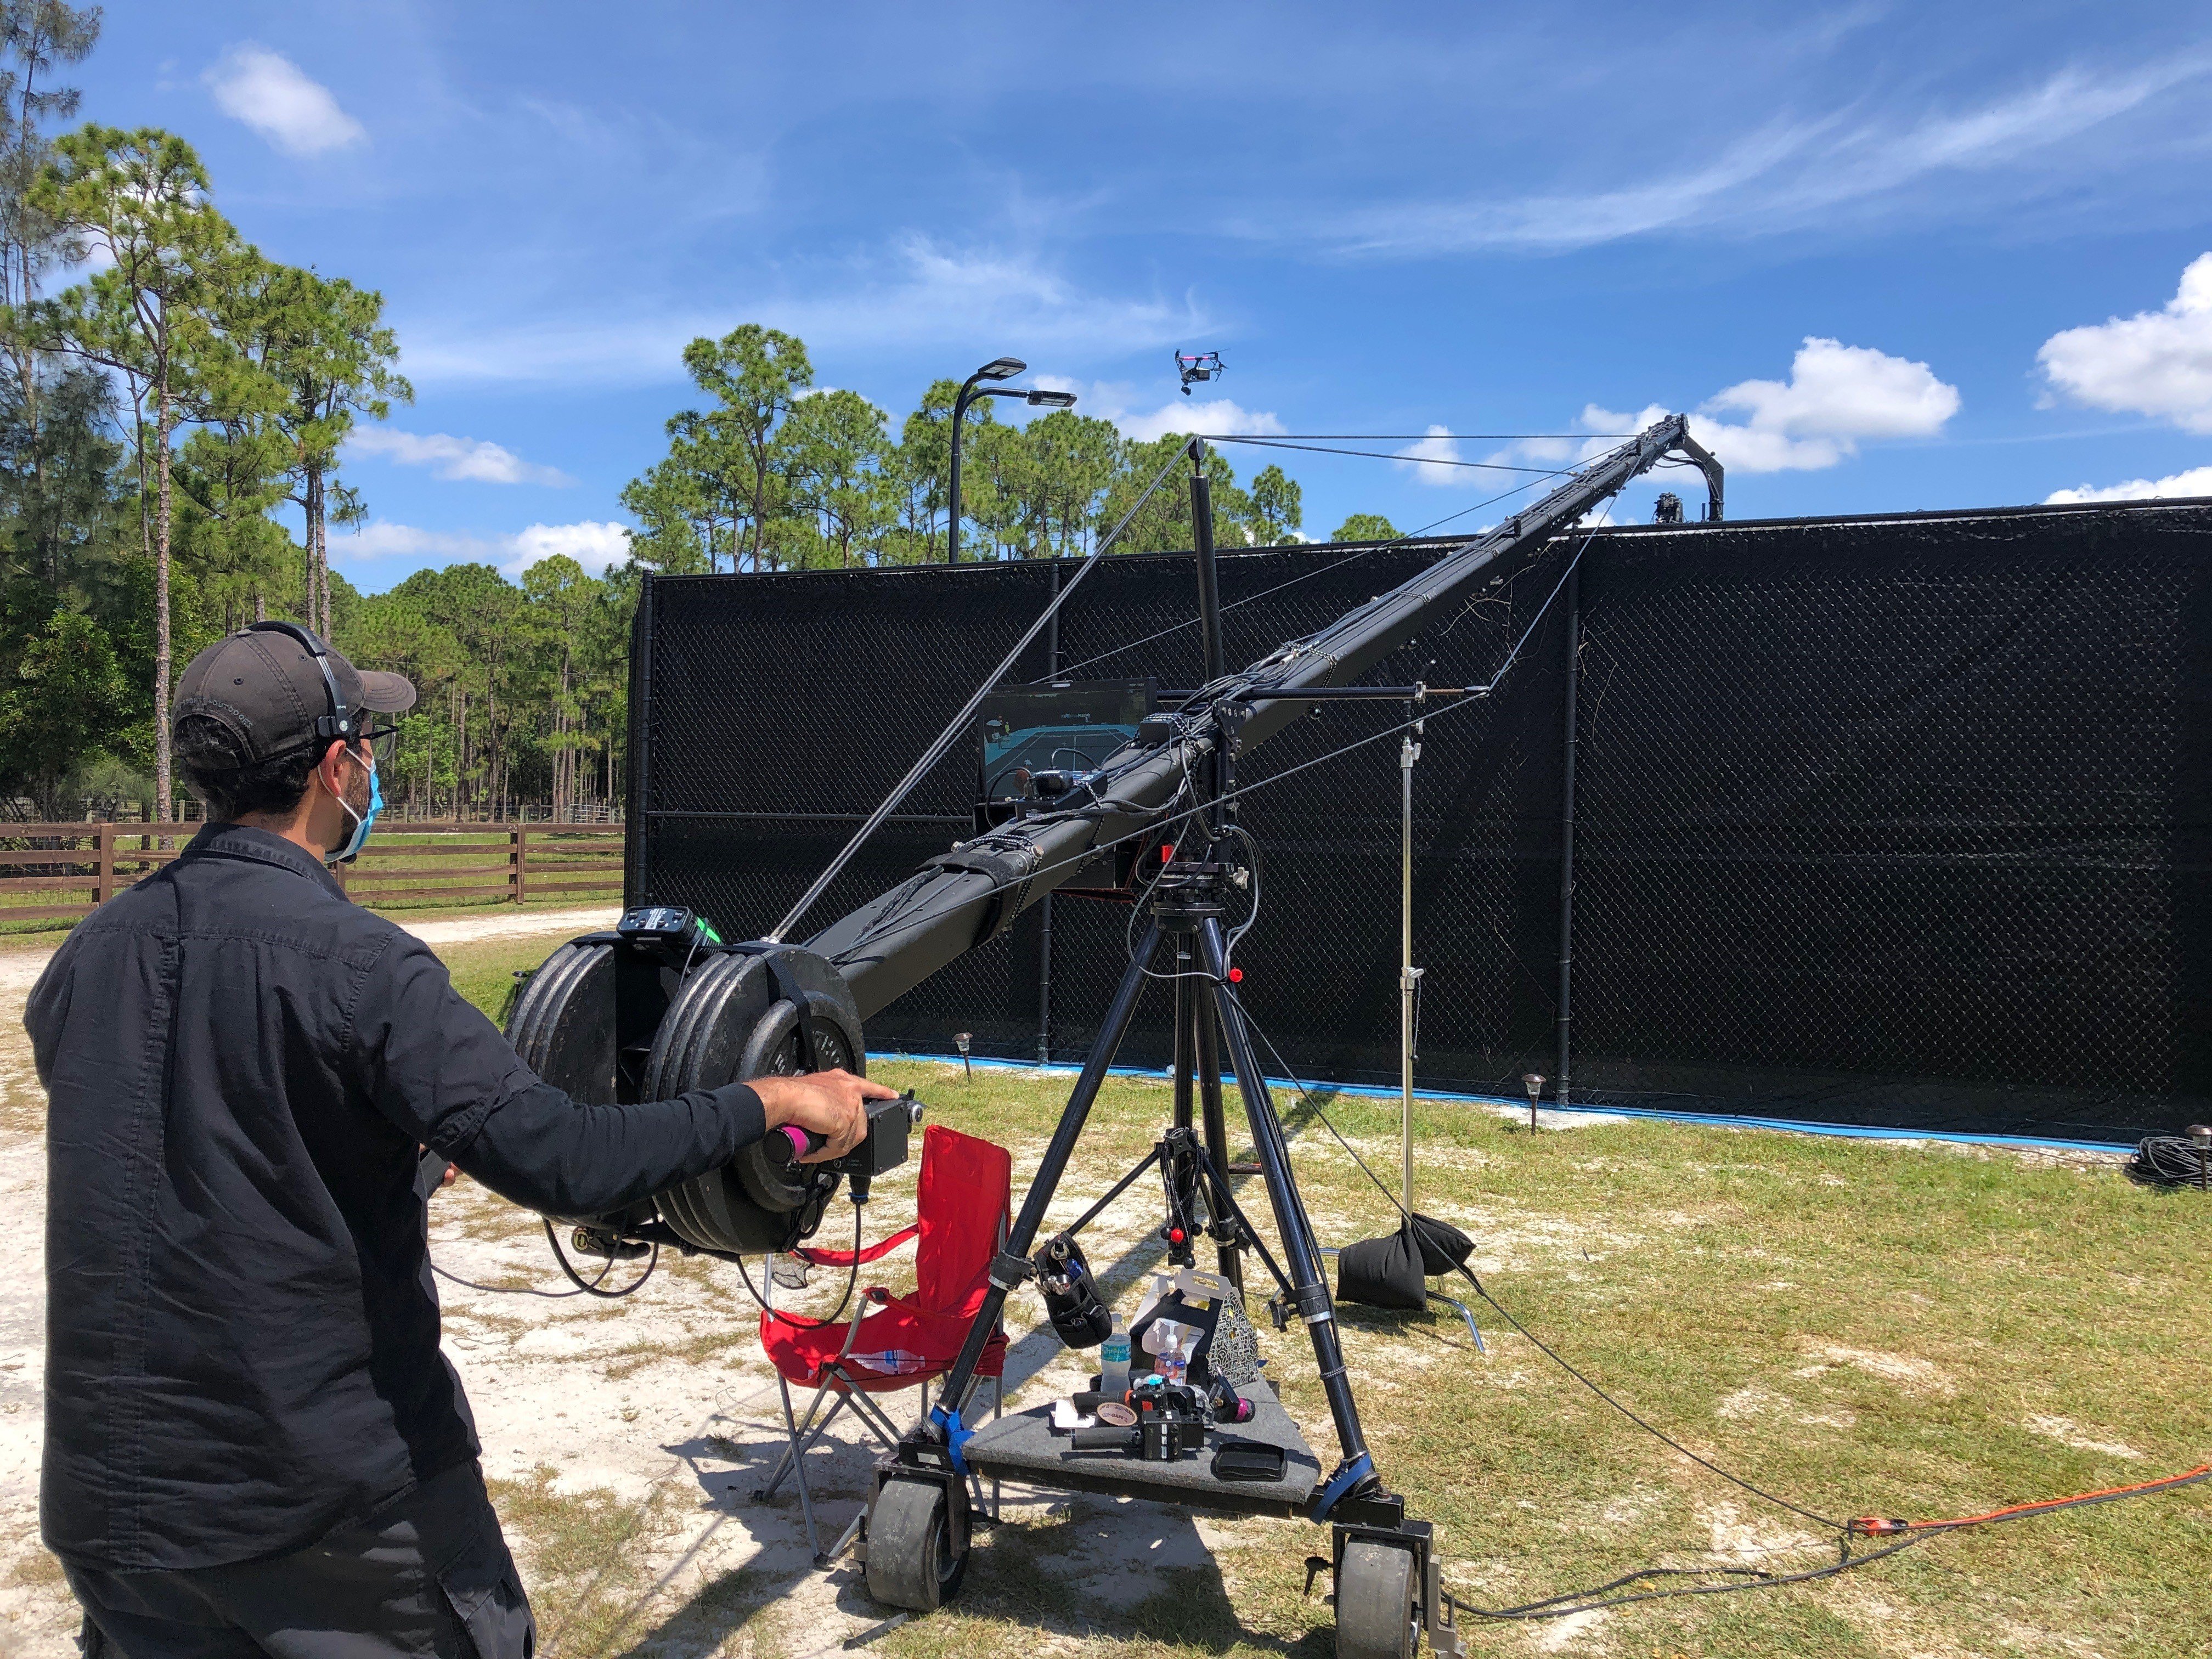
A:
[(241, 1327)]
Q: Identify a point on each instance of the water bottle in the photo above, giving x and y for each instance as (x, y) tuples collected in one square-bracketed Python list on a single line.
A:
[(1113, 1363), (1174, 1365)]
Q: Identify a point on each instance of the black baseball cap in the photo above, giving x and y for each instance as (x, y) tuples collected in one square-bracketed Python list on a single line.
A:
[(279, 690)]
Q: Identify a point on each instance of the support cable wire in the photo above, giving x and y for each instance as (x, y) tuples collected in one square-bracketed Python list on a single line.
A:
[(2169, 1161), (1394, 437), (1474, 695), (1373, 455), (1334, 565), (798, 1322), (1590, 1600), (958, 725), (591, 1288)]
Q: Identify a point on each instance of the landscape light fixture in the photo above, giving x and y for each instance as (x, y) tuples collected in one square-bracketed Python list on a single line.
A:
[(2202, 1134), (1533, 1083), (960, 1041), (999, 369)]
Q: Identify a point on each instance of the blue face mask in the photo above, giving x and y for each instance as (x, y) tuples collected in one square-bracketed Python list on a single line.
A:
[(362, 825)]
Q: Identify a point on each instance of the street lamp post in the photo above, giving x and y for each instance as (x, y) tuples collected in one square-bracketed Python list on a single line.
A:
[(999, 369)]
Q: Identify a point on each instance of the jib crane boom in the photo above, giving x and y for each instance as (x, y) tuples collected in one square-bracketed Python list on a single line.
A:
[(960, 899)]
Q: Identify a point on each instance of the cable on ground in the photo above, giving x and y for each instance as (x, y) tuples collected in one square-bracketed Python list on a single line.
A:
[(2169, 1161)]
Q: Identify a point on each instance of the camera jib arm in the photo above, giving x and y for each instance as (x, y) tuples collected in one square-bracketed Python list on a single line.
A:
[(887, 947)]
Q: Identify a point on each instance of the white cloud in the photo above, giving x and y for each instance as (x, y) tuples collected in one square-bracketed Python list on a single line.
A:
[(1836, 396), (596, 546), (2197, 480), (957, 304), (2155, 363), (1790, 174), (1179, 415), (1110, 400), (266, 90), (473, 459), (1431, 457)]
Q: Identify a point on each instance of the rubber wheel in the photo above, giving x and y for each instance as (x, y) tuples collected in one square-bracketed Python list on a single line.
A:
[(1374, 1601), (913, 1561)]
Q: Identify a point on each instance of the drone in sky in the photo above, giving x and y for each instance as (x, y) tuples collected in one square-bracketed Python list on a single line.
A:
[(1201, 366)]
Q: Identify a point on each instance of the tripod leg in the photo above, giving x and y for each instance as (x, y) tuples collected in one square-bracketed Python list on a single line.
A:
[(1184, 1058), (1227, 1257), (1301, 1254), (1181, 1176), (960, 1380)]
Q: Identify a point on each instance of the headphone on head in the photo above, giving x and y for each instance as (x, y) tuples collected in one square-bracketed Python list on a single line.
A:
[(340, 723)]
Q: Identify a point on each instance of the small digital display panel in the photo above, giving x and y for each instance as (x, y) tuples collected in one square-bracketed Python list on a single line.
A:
[(1071, 729)]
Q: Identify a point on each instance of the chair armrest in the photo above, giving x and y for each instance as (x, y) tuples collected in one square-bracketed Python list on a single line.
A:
[(849, 1258)]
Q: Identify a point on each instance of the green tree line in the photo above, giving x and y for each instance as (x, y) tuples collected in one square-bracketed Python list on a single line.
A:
[(776, 474), (172, 403)]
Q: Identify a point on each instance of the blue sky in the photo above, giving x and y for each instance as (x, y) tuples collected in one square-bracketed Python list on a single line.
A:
[(1894, 256)]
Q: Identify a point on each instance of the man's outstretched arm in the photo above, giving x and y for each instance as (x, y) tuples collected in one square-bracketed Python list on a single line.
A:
[(444, 1074)]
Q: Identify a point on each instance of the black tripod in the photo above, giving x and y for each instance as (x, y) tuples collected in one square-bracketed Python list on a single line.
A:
[(1185, 905)]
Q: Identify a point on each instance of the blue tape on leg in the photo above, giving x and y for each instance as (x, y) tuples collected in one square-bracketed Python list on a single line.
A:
[(955, 1437), (1342, 1482)]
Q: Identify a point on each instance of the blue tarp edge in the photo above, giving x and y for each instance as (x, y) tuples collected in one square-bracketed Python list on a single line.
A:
[(1848, 1131)]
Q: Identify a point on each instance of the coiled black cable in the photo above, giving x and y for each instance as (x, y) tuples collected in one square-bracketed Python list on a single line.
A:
[(2169, 1161)]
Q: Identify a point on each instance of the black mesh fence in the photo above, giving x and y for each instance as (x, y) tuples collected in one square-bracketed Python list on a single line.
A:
[(1899, 821)]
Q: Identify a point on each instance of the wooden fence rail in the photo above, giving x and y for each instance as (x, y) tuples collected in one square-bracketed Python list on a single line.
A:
[(404, 863)]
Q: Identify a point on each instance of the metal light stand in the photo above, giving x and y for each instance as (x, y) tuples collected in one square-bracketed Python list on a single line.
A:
[(1409, 977)]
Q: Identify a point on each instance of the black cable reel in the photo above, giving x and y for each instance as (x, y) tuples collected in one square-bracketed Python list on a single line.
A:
[(650, 1012), (778, 1012)]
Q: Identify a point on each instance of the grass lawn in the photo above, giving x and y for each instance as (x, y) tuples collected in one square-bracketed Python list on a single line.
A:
[(1867, 1328)]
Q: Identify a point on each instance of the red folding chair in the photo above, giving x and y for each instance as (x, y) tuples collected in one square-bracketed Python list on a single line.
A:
[(962, 1210)]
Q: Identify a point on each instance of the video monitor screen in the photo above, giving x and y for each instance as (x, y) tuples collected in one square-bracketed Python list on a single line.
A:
[(1070, 728)]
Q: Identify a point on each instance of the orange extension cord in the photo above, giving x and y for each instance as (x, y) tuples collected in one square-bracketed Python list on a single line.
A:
[(1873, 1525)]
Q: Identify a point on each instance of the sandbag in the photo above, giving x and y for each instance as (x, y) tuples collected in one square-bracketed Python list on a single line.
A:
[(1392, 1271)]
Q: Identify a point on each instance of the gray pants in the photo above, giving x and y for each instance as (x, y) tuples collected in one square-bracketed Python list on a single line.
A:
[(427, 1575)]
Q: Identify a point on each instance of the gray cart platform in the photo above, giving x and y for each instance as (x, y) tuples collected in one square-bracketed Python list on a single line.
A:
[(1023, 1449)]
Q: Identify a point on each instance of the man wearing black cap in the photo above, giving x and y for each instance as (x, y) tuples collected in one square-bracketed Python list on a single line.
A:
[(254, 1445)]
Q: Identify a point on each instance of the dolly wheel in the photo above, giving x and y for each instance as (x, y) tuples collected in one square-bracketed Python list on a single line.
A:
[(1374, 1603), (911, 1561)]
